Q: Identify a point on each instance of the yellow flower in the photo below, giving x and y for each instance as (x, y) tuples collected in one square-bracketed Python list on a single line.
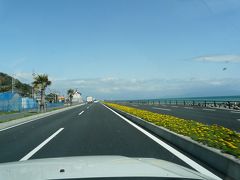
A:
[(212, 135)]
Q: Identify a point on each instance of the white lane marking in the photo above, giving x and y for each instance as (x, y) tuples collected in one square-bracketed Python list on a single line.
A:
[(21, 124), (209, 109), (162, 105), (36, 149), (162, 109), (181, 156), (175, 106), (135, 105), (37, 118), (235, 111), (87, 107), (238, 119), (81, 113), (188, 107)]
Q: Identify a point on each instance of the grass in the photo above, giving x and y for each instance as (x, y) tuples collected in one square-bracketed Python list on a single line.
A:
[(23, 115), (6, 113), (216, 136)]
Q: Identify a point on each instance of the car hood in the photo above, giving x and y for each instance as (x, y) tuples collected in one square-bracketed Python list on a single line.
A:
[(94, 166)]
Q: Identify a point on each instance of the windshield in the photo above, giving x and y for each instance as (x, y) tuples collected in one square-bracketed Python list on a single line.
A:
[(135, 84)]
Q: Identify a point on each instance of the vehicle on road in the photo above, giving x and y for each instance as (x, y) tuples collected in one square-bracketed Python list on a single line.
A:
[(89, 99), (153, 85)]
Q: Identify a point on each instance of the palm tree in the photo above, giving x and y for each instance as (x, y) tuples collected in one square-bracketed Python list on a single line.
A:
[(41, 82), (70, 93)]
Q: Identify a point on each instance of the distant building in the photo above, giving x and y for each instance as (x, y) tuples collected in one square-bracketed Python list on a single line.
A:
[(77, 98), (61, 98)]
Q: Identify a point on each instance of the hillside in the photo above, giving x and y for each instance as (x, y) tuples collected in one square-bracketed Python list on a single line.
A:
[(19, 87)]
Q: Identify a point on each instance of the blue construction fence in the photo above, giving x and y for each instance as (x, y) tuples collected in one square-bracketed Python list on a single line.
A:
[(14, 102)]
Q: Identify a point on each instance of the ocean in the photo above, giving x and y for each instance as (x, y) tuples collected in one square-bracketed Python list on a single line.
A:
[(208, 99)]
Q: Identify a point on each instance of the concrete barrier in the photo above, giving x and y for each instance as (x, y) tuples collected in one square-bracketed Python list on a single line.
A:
[(16, 122), (226, 164)]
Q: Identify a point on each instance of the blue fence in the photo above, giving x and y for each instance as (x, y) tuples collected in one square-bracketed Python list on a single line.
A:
[(55, 105), (10, 101), (14, 102)]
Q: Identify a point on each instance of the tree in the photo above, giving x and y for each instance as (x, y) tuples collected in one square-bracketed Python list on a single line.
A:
[(19, 87), (70, 93), (52, 97), (41, 82)]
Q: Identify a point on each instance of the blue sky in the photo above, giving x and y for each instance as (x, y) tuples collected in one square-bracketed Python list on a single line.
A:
[(125, 49)]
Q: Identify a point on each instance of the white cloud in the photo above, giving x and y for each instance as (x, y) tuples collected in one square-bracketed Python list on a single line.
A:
[(117, 88), (27, 77), (24, 77), (219, 58)]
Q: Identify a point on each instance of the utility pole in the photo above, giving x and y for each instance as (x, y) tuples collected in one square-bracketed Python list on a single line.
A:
[(13, 83), (33, 93)]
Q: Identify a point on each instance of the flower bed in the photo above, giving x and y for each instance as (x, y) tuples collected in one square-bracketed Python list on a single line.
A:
[(216, 136)]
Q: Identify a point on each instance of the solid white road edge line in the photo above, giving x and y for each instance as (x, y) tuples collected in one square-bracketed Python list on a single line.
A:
[(36, 149), (81, 113), (162, 109), (37, 118), (21, 124), (181, 156)]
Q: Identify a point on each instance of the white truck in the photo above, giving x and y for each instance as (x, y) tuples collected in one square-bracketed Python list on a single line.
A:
[(89, 99)]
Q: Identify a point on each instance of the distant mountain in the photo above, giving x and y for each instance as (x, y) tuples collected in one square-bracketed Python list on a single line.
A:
[(19, 87)]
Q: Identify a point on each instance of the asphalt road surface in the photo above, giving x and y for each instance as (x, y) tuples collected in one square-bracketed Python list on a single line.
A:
[(87, 130), (223, 117)]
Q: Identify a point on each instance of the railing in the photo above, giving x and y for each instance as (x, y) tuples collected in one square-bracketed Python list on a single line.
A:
[(187, 102)]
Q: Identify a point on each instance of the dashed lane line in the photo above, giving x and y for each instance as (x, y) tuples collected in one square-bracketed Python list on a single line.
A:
[(209, 109), (188, 107), (135, 105), (81, 113), (235, 111), (162, 109), (36, 149), (181, 156)]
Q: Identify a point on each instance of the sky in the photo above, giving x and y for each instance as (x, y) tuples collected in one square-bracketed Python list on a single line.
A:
[(124, 49)]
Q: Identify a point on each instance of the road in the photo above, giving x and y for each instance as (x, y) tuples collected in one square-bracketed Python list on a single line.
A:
[(87, 130), (222, 117)]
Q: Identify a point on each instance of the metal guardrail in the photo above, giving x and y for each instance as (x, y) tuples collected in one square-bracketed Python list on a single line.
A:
[(187, 102)]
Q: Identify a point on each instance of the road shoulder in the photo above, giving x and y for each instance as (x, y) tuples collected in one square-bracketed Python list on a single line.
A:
[(20, 121)]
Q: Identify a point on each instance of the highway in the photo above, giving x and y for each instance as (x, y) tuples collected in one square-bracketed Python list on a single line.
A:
[(91, 129), (223, 117)]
